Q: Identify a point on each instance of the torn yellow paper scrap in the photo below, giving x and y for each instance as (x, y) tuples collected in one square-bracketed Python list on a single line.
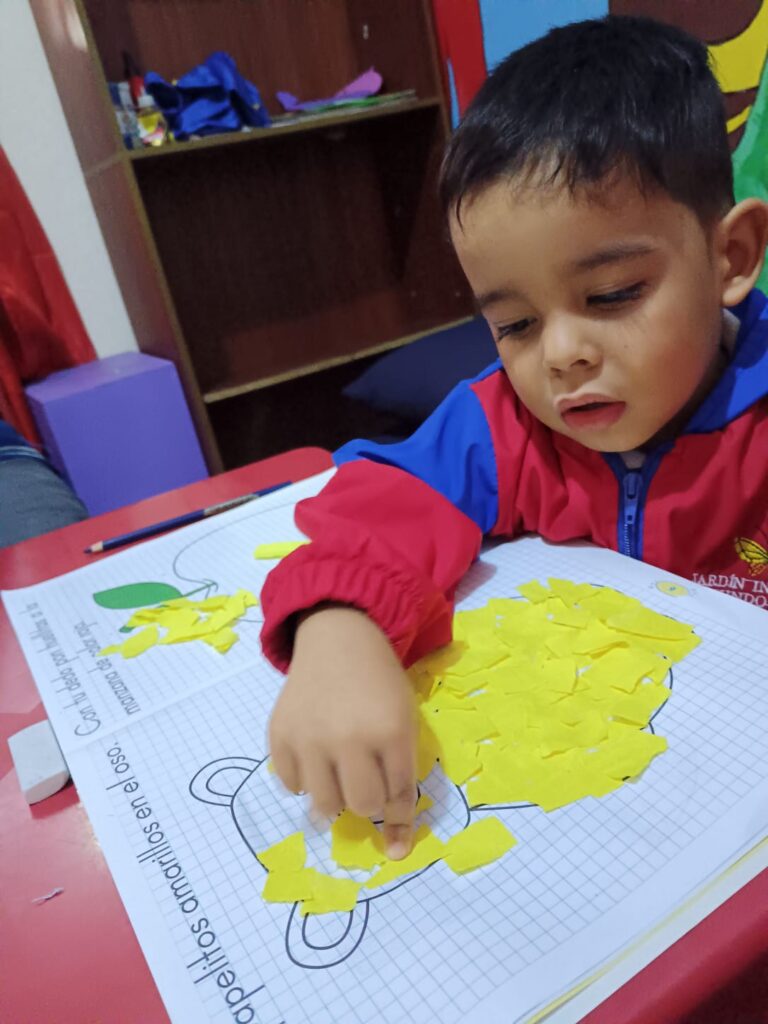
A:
[(182, 624), (475, 624), (636, 708), (330, 894), (427, 848), (443, 698), (146, 615), (424, 802), (140, 642), (212, 604), (222, 640), (626, 753), (533, 592), (287, 855), (459, 761), (622, 668), (605, 601), (356, 842), (674, 650), (278, 549), (645, 622), (288, 886), (441, 659), (475, 659), (596, 639), (454, 727), (479, 844), (576, 618)]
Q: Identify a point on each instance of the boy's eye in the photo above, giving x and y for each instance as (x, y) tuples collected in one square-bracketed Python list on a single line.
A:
[(515, 330), (621, 295)]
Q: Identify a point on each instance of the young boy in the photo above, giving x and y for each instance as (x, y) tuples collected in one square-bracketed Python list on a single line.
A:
[(590, 201)]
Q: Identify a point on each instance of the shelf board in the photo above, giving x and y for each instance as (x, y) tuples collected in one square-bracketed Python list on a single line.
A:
[(235, 390), (308, 123)]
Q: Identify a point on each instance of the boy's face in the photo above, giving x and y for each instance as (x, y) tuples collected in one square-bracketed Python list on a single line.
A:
[(606, 313)]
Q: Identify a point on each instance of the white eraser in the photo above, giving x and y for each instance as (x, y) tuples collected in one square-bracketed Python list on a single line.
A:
[(39, 762)]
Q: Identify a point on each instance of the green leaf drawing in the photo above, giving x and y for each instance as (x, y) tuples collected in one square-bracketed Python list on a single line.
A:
[(136, 595)]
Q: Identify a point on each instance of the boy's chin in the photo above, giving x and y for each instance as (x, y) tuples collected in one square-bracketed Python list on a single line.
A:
[(612, 442)]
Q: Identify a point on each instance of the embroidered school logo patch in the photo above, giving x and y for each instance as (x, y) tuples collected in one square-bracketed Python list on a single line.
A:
[(753, 553)]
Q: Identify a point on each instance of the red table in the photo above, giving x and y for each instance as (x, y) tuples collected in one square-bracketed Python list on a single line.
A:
[(75, 958)]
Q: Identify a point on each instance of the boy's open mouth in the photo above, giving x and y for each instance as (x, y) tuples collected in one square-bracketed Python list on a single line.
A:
[(592, 413)]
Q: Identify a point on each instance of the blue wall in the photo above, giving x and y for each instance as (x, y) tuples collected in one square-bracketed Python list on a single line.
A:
[(510, 24)]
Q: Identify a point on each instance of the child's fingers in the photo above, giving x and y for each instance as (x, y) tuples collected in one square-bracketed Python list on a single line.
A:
[(398, 840), (400, 774), (362, 783), (286, 767), (320, 779)]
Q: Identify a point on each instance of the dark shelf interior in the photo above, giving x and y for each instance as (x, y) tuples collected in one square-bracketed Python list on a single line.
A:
[(313, 248), (307, 411)]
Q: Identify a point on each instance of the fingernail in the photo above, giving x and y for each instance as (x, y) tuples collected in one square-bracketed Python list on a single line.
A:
[(397, 850)]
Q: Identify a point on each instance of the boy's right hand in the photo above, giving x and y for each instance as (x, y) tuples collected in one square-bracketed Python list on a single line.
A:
[(344, 727)]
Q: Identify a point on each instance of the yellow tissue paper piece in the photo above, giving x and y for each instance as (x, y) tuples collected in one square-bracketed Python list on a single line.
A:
[(279, 549), (459, 761), (356, 842), (288, 886), (222, 640), (424, 802), (330, 894), (645, 622), (140, 642), (212, 604), (474, 660), (479, 844), (144, 616), (287, 855), (183, 621), (570, 616), (427, 848), (533, 592)]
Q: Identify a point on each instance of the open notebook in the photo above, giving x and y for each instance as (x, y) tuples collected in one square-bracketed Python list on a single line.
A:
[(169, 756)]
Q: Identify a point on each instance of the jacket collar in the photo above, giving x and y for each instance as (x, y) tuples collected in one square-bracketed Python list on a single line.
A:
[(745, 379)]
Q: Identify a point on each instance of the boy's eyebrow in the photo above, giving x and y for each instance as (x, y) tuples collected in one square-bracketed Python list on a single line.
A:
[(613, 254), (496, 295)]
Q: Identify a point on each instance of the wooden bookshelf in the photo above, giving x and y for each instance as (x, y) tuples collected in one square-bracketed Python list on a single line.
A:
[(261, 258)]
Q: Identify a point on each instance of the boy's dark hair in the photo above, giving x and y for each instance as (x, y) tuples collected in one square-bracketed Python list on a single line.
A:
[(618, 93)]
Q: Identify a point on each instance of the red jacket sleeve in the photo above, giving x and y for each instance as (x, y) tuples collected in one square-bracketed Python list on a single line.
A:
[(383, 541)]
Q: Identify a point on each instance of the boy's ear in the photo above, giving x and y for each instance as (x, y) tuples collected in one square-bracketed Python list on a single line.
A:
[(741, 238)]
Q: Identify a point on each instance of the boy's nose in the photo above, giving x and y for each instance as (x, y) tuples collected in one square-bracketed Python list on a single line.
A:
[(565, 345)]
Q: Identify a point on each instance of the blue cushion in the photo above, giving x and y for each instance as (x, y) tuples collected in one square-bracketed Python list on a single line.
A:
[(413, 380)]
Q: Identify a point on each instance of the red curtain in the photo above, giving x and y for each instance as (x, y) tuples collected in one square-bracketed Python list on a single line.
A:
[(40, 327)]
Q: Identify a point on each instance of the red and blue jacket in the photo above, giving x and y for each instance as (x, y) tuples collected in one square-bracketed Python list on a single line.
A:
[(398, 525)]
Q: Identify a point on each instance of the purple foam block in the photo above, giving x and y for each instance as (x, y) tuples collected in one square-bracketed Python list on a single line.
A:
[(118, 429)]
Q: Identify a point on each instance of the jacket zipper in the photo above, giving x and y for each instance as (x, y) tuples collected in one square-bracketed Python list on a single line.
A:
[(633, 489), (631, 485)]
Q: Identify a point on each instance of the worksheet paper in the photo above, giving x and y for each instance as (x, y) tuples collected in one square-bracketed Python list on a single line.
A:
[(169, 756)]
